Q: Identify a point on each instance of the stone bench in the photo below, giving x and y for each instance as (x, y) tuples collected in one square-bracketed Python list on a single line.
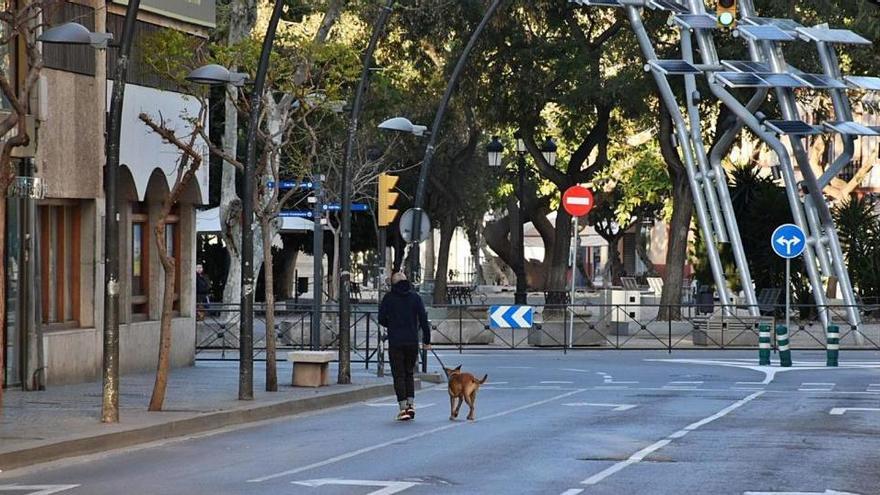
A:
[(311, 368)]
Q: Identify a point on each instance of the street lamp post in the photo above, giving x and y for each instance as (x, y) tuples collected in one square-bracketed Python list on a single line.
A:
[(76, 34), (344, 375), (494, 150), (246, 327), (424, 172), (521, 294)]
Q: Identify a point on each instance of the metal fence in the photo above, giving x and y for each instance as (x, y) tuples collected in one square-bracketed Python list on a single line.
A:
[(565, 328)]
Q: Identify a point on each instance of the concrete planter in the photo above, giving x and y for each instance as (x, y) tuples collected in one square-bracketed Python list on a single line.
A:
[(450, 329)]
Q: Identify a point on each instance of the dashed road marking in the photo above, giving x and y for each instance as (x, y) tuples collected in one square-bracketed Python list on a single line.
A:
[(400, 440), (840, 411), (615, 407), (816, 387), (642, 454)]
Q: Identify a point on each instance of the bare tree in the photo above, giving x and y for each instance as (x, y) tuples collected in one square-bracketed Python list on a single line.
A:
[(188, 164)]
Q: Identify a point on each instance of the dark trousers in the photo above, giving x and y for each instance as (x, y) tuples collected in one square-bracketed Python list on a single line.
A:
[(403, 364)]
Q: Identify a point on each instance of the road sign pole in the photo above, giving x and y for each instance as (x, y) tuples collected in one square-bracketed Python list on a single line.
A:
[(787, 291), (570, 337), (318, 271)]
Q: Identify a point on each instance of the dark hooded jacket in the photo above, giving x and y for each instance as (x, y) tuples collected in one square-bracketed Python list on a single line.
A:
[(403, 312)]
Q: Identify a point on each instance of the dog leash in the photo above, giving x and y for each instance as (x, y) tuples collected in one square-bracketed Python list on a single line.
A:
[(438, 359)]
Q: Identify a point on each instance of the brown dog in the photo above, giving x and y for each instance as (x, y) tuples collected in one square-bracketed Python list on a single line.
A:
[(462, 386)]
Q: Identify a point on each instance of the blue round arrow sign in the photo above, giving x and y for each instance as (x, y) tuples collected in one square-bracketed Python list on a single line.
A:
[(788, 241)]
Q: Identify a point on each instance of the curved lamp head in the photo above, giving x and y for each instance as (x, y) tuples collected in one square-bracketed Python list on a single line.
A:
[(72, 33), (402, 124), (548, 149), (215, 75), (494, 150)]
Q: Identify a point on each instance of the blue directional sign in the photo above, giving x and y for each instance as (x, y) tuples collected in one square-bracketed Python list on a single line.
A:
[(511, 316), (297, 214), (788, 241), (354, 207), (289, 184)]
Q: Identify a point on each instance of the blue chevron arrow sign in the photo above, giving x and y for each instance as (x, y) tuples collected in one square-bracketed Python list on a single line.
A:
[(510, 316)]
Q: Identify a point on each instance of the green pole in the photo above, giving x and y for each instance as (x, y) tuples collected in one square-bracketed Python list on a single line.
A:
[(833, 348), (784, 349), (764, 345)]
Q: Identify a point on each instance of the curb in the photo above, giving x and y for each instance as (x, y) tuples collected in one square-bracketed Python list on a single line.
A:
[(184, 427)]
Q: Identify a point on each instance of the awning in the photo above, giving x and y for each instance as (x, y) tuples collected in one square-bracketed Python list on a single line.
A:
[(208, 221)]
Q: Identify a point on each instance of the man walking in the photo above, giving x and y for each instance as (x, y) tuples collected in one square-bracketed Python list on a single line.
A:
[(403, 313)]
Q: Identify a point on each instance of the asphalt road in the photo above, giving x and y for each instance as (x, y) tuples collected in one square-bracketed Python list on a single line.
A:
[(593, 422)]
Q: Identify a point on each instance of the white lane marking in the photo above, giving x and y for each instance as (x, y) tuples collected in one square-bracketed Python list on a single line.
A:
[(500, 383), (394, 404), (840, 411), (390, 487), (355, 453), (611, 387), (574, 370), (640, 455), (39, 489), (687, 383), (616, 407), (826, 492), (549, 382), (817, 384), (771, 371), (573, 491)]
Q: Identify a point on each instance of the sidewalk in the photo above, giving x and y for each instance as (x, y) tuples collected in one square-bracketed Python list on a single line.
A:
[(64, 421)]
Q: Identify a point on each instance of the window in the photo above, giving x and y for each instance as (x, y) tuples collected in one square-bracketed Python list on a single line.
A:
[(60, 264), (140, 263)]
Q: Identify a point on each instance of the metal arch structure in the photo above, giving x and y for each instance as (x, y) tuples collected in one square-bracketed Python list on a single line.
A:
[(765, 70)]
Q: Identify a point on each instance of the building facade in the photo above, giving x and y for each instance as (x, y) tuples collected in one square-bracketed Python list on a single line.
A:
[(55, 283)]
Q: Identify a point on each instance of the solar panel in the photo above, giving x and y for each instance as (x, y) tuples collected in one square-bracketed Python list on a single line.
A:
[(674, 67), (851, 129), (820, 81), (740, 80), (843, 36), (597, 3), (696, 21), (864, 82), (781, 80), (791, 127), (668, 5), (787, 25), (765, 33), (746, 66)]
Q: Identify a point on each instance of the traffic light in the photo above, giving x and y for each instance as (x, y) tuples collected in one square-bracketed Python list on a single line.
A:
[(725, 13), (387, 198)]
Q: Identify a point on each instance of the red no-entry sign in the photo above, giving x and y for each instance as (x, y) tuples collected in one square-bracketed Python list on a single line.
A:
[(577, 201)]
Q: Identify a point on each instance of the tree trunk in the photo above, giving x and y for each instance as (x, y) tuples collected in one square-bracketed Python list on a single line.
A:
[(269, 284), (2, 296), (676, 251), (447, 230), (679, 226), (288, 259), (474, 240), (164, 365), (614, 261), (243, 17)]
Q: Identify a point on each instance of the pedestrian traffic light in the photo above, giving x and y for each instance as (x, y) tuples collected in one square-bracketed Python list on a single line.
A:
[(387, 198), (726, 13)]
